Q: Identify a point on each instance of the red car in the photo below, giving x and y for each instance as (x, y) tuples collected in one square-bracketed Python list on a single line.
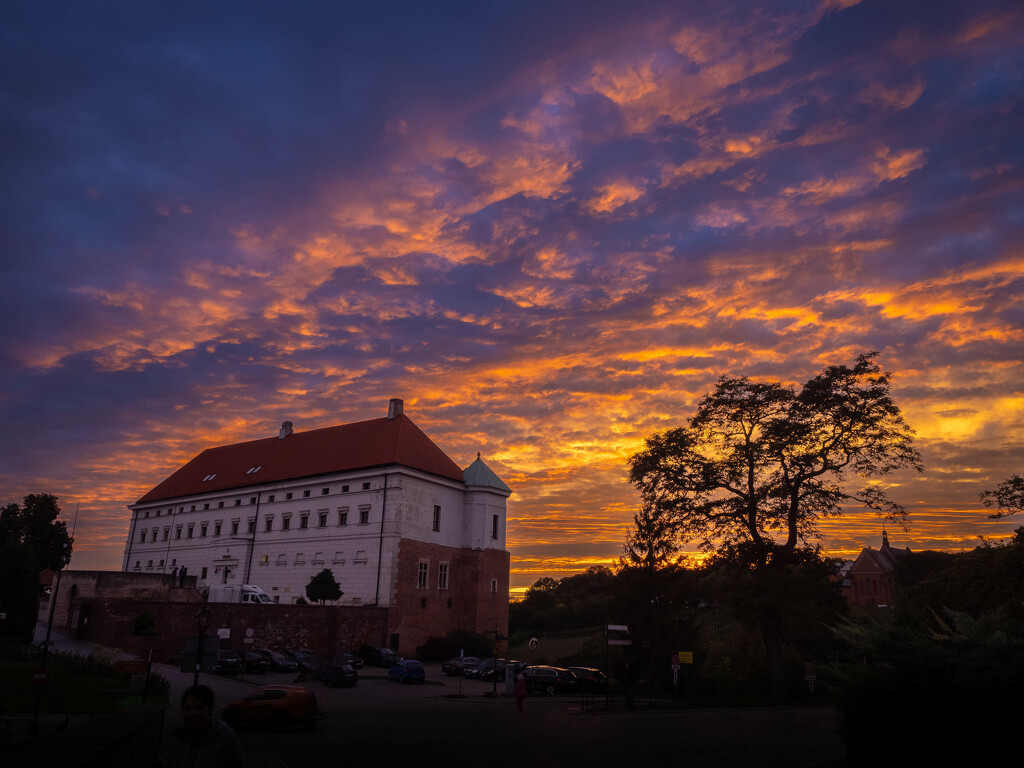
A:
[(276, 706)]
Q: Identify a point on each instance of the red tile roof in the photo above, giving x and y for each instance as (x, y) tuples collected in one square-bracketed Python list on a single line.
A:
[(363, 445)]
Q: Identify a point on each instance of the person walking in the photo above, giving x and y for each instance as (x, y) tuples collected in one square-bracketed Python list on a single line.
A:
[(520, 692)]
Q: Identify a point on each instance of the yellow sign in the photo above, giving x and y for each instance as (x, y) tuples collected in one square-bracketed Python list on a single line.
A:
[(686, 657)]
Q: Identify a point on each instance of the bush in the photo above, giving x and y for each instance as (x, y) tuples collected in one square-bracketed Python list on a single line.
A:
[(441, 648)]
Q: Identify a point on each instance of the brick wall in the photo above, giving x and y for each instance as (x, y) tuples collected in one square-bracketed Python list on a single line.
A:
[(321, 629), (467, 604)]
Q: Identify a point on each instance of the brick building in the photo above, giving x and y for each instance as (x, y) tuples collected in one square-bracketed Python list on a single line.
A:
[(869, 580), (397, 522)]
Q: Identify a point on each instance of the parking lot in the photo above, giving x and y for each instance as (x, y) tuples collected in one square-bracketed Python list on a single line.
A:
[(432, 723)]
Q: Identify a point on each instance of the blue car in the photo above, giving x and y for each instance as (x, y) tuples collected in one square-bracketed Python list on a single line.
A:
[(408, 671)]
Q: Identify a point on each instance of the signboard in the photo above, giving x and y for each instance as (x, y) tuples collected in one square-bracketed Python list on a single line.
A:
[(224, 633), (685, 657), (618, 634)]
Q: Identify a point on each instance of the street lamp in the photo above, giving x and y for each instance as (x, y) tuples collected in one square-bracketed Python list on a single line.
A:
[(202, 622)]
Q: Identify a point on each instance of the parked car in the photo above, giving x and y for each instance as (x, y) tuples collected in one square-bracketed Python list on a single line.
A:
[(379, 657), (491, 669), (408, 671), (254, 662), (550, 680), (228, 663), (278, 661), (276, 706), (340, 676), (456, 666), (348, 658), (306, 660), (590, 678)]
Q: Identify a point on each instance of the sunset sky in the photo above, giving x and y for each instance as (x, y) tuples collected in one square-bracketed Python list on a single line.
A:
[(548, 227)]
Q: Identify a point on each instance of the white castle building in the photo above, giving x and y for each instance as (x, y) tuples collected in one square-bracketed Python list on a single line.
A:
[(398, 523)]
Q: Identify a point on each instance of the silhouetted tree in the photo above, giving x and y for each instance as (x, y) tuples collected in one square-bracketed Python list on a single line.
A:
[(760, 460), (652, 541), (323, 587), (1007, 498), (35, 523), (19, 590)]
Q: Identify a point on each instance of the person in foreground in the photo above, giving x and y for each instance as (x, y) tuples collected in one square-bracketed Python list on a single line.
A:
[(203, 742)]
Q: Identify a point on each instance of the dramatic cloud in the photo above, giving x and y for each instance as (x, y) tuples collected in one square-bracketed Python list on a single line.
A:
[(548, 230)]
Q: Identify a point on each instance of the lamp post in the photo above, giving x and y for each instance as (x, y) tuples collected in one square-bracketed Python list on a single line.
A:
[(202, 622)]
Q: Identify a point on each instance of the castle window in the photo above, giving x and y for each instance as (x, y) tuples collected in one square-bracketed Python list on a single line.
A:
[(322, 522), (252, 525), (167, 533), (360, 556), (318, 558), (344, 489), (270, 497), (234, 527), (343, 516), (142, 536), (177, 532), (303, 521), (286, 522), (494, 527), (442, 576), (437, 518), (288, 496), (238, 502), (202, 530), (364, 515), (494, 585), (206, 506), (216, 528), (324, 491), (305, 494), (421, 574), (268, 523), (220, 505), (191, 527), (366, 486)]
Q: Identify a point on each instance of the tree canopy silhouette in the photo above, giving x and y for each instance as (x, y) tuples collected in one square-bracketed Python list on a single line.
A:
[(1007, 498), (35, 524), (323, 587), (760, 464)]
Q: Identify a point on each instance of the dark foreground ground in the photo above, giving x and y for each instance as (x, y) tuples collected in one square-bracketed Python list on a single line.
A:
[(448, 722)]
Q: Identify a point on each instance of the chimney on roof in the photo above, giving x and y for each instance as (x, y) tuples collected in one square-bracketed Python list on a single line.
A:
[(286, 429), (394, 408)]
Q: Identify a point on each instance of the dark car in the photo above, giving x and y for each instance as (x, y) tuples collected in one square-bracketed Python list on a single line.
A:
[(278, 661), (340, 676), (348, 658), (254, 662), (408, 671), (590, 678), (458, 666), (491, 669), (304, 659), (550, 680), (379, 657), (277, 706), (228, 663)]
